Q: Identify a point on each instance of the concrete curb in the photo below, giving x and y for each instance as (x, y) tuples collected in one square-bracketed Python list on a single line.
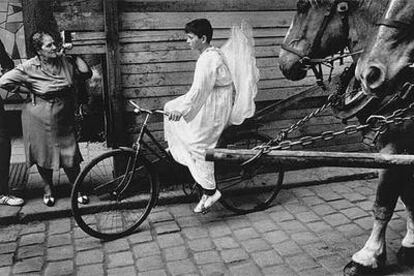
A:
[(35, 210)]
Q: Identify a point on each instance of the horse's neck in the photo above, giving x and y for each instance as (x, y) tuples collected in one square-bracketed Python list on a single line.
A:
[(362, 22)]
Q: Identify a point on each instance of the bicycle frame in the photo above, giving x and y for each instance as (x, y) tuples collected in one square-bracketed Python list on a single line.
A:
[(137, 147), (141, 144), (144, 131)]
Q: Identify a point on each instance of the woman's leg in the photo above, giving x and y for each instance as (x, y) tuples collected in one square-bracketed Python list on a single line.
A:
[(47, 177), (72, 173)]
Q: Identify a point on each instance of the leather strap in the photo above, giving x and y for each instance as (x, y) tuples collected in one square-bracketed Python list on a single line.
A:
[(393, 23)]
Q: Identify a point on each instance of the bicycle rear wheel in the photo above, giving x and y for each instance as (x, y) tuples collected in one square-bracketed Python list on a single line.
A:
[(251, 188), (120, 198)]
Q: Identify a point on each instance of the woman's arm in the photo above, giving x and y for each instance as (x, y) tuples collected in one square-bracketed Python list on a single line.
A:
[(23, 89), (13, 79), (83, 68)]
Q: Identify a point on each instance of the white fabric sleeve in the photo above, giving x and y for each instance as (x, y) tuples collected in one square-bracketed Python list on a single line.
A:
[(239, 54), (204, 79)]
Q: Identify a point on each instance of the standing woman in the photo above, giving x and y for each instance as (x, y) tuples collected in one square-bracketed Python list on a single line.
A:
[(48, 118)]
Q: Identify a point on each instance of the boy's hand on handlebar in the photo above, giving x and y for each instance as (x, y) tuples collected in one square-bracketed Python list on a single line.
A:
[(174, 116)]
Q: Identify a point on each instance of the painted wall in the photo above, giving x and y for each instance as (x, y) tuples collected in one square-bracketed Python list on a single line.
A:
[(13, 37)]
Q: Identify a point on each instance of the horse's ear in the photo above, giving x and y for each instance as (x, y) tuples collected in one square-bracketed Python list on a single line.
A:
[(342, 7)]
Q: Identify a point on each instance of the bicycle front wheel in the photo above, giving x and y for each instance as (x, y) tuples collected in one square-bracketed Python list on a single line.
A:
[(122, 190), (251, 188)]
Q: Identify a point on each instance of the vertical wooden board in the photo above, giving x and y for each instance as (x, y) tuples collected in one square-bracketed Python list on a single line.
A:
[(113, 99)]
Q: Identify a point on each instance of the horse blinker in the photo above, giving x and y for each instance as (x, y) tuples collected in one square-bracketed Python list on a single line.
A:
[(342, 7)]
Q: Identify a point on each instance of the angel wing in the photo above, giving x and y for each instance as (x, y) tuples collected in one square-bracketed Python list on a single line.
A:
[(239, 53)]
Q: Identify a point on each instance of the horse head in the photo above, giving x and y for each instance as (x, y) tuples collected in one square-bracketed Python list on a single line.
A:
[(388, 58), (323, 27), (318, 29)]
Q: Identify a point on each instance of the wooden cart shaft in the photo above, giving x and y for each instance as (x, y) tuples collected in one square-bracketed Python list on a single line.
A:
[(314, 158)]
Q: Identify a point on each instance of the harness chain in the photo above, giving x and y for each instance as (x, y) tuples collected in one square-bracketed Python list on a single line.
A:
[(266, 147), (377, 123), (285, 132)]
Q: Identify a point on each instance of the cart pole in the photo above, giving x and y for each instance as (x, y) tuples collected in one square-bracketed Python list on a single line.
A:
[(314, 158)]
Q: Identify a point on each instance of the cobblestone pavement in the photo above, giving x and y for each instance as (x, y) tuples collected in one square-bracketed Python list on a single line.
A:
[(308, 231)]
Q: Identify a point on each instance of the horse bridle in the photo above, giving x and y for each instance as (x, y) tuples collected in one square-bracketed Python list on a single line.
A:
[(394, 23), (400, 26), (341, 6)]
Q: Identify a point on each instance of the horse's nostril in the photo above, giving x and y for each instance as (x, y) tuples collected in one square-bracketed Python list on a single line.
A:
[(374, 77)]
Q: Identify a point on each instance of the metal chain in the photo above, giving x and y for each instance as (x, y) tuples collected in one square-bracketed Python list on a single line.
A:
[(285, 132), (377, 123), (266, 147), (330, 101), (324, 136)]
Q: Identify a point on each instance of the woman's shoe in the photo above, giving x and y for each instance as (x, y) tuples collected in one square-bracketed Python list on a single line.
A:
[(48, 200), (83, 199)]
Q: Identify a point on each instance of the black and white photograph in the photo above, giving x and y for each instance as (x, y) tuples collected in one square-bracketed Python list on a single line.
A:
[(206, 137)]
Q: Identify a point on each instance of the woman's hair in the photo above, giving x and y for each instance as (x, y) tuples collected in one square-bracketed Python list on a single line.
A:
[(36, 40), (200, 27)]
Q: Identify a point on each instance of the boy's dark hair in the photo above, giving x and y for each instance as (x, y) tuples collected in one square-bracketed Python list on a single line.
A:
[(200, 27)]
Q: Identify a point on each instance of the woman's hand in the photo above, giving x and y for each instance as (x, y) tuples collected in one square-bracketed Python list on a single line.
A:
[(174, 116)]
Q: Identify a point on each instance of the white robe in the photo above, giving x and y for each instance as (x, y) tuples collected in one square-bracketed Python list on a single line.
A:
[(206, 109)]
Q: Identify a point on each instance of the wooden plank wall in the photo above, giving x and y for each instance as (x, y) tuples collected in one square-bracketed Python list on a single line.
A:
[(157, 65)]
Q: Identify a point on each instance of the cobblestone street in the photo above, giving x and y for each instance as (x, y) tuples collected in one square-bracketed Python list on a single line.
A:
[(308, 231)]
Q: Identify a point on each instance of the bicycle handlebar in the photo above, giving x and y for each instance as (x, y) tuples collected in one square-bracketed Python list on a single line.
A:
[(139, 109)]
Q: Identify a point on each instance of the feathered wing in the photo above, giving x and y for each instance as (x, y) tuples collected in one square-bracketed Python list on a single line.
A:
[(239, 53)]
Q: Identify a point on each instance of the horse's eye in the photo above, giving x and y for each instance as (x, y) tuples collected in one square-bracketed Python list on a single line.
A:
[(303, 6)]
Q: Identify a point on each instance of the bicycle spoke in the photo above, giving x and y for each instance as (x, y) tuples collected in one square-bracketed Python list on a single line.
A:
[(119, 202), (251, 188)]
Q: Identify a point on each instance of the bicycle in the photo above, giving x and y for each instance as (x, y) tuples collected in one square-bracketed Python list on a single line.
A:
[(123, 184)]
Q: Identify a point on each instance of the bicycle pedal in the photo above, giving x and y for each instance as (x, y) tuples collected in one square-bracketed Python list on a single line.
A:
[(205, 211)]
